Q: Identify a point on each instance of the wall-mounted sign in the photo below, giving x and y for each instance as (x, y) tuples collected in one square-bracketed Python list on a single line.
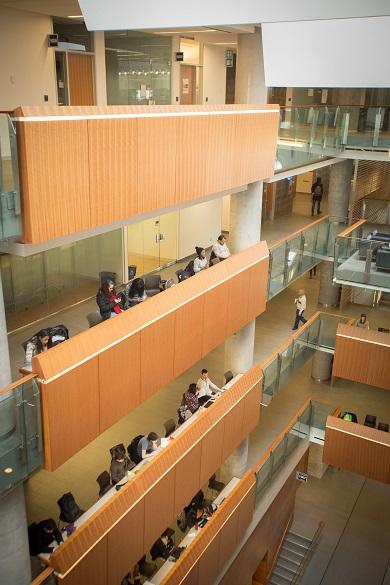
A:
[(186, 86), (301, 476), (180, 56), (229, 58)]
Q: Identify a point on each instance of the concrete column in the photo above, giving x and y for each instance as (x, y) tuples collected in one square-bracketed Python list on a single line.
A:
[(321, 369), (339, 189), (250, 80), (100, 68), (329, 294), (14, 553), (245, 226)]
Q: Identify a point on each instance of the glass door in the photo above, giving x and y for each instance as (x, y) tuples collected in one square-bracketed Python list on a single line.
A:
[(152, 243)]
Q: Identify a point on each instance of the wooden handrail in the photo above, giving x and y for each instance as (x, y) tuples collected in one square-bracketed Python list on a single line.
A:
[(17, 383), (41, 578), (289, 236), (350, 229)]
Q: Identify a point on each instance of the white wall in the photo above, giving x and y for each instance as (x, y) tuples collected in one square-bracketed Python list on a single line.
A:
[(327, 53), (27, 69), (199, 225), (122, 14), (214, 74)]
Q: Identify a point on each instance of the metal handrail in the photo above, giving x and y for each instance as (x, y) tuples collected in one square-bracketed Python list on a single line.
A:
[(308, 554)]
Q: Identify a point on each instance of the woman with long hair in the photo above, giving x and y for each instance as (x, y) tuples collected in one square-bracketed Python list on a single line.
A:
[(108, 300)]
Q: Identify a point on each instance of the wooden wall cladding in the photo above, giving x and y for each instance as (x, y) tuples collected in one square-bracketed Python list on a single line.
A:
[(151, 500), (140, 351), (205, 557), (357, 448), (109, 169), (363, 356)]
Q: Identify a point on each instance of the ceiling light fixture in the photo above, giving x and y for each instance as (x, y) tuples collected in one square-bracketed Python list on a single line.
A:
[(75, 16), (8, 470)]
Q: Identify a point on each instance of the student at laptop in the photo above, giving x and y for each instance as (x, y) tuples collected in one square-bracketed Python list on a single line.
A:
[(205, 387), (147, 445)]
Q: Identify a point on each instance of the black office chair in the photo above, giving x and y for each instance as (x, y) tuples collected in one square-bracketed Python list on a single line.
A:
[(118, 449), (216, 485), (228, 376), (131, 271), (104, 483), (145, 568), (69, 509), (214, 261), (383, 427), (370, 421), (169, 427)]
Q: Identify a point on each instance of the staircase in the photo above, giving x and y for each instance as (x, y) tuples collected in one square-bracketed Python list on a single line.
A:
[(292, 555)]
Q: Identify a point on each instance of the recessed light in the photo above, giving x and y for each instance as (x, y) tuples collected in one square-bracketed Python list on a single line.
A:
[(8, 470), (75, 16)]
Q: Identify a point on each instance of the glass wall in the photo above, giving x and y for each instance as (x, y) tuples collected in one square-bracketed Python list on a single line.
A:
[(37, 285), (10, 211), (138, 68)]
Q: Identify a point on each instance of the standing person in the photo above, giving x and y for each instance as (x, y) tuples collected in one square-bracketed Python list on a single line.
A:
[(317, 191), (220, 249), (108, 301), (200, 262), (300, 304), (37, 344), (362, 322), (205, 387)]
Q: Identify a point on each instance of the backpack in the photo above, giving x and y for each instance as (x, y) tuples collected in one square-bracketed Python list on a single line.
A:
[(133, 451), (184, 413), (70, 510)]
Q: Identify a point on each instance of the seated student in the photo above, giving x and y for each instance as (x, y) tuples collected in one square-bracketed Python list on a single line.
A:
[(200, 262), (41, 536), (119, 465), (362, 322), (163, 546), (205, 387), (40, 342), (137, 292), (220, 249), (147, 445), (109, 302), (191, 398)]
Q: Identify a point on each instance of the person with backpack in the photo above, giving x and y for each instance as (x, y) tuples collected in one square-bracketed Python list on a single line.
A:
[(200, 262), (317, 191)]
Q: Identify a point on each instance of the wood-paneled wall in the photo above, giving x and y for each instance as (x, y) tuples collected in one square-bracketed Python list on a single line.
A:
[(357, 448), (126, 526), (77, 174), (362, 355), (202, 561), (136, 354)]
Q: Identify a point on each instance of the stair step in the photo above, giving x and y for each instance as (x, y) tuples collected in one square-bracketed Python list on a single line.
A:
[(300, 546), (283, 571), (290, 551), (288, 563), (298, 537), (284, 578), (278, 580)]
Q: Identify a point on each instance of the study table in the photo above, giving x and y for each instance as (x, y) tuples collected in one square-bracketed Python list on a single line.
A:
[(190, 536), (135, 470)]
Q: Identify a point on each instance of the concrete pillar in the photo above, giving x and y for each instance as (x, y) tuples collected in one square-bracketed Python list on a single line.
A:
[(100, 68), (250, 79), (245, 225), (329, 294), (14, 553), (321, 368), (339, 189)]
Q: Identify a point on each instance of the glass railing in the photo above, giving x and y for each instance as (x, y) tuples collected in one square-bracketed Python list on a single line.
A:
[(10, 209), (296, 254), (308, 133), (20, 432), (308, 425), (318, 334), (363, 261)]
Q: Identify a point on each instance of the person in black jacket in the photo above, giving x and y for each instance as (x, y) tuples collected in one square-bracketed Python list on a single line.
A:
[(41, 536), (108, 301), (317, 192), (163, 546)]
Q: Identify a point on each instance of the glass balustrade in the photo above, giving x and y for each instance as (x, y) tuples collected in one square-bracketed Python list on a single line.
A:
[(20, 432), (363, 261), (318, 334), (10, 209)]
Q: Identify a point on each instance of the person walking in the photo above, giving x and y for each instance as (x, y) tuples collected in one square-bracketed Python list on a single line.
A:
[(300, 304), (317, 191)]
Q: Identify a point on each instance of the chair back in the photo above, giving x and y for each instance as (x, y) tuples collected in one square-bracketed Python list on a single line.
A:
[(169, 427), (214, 261), (94, 318), (370, 421), (228, 376), (104, 483), (383, 427)]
